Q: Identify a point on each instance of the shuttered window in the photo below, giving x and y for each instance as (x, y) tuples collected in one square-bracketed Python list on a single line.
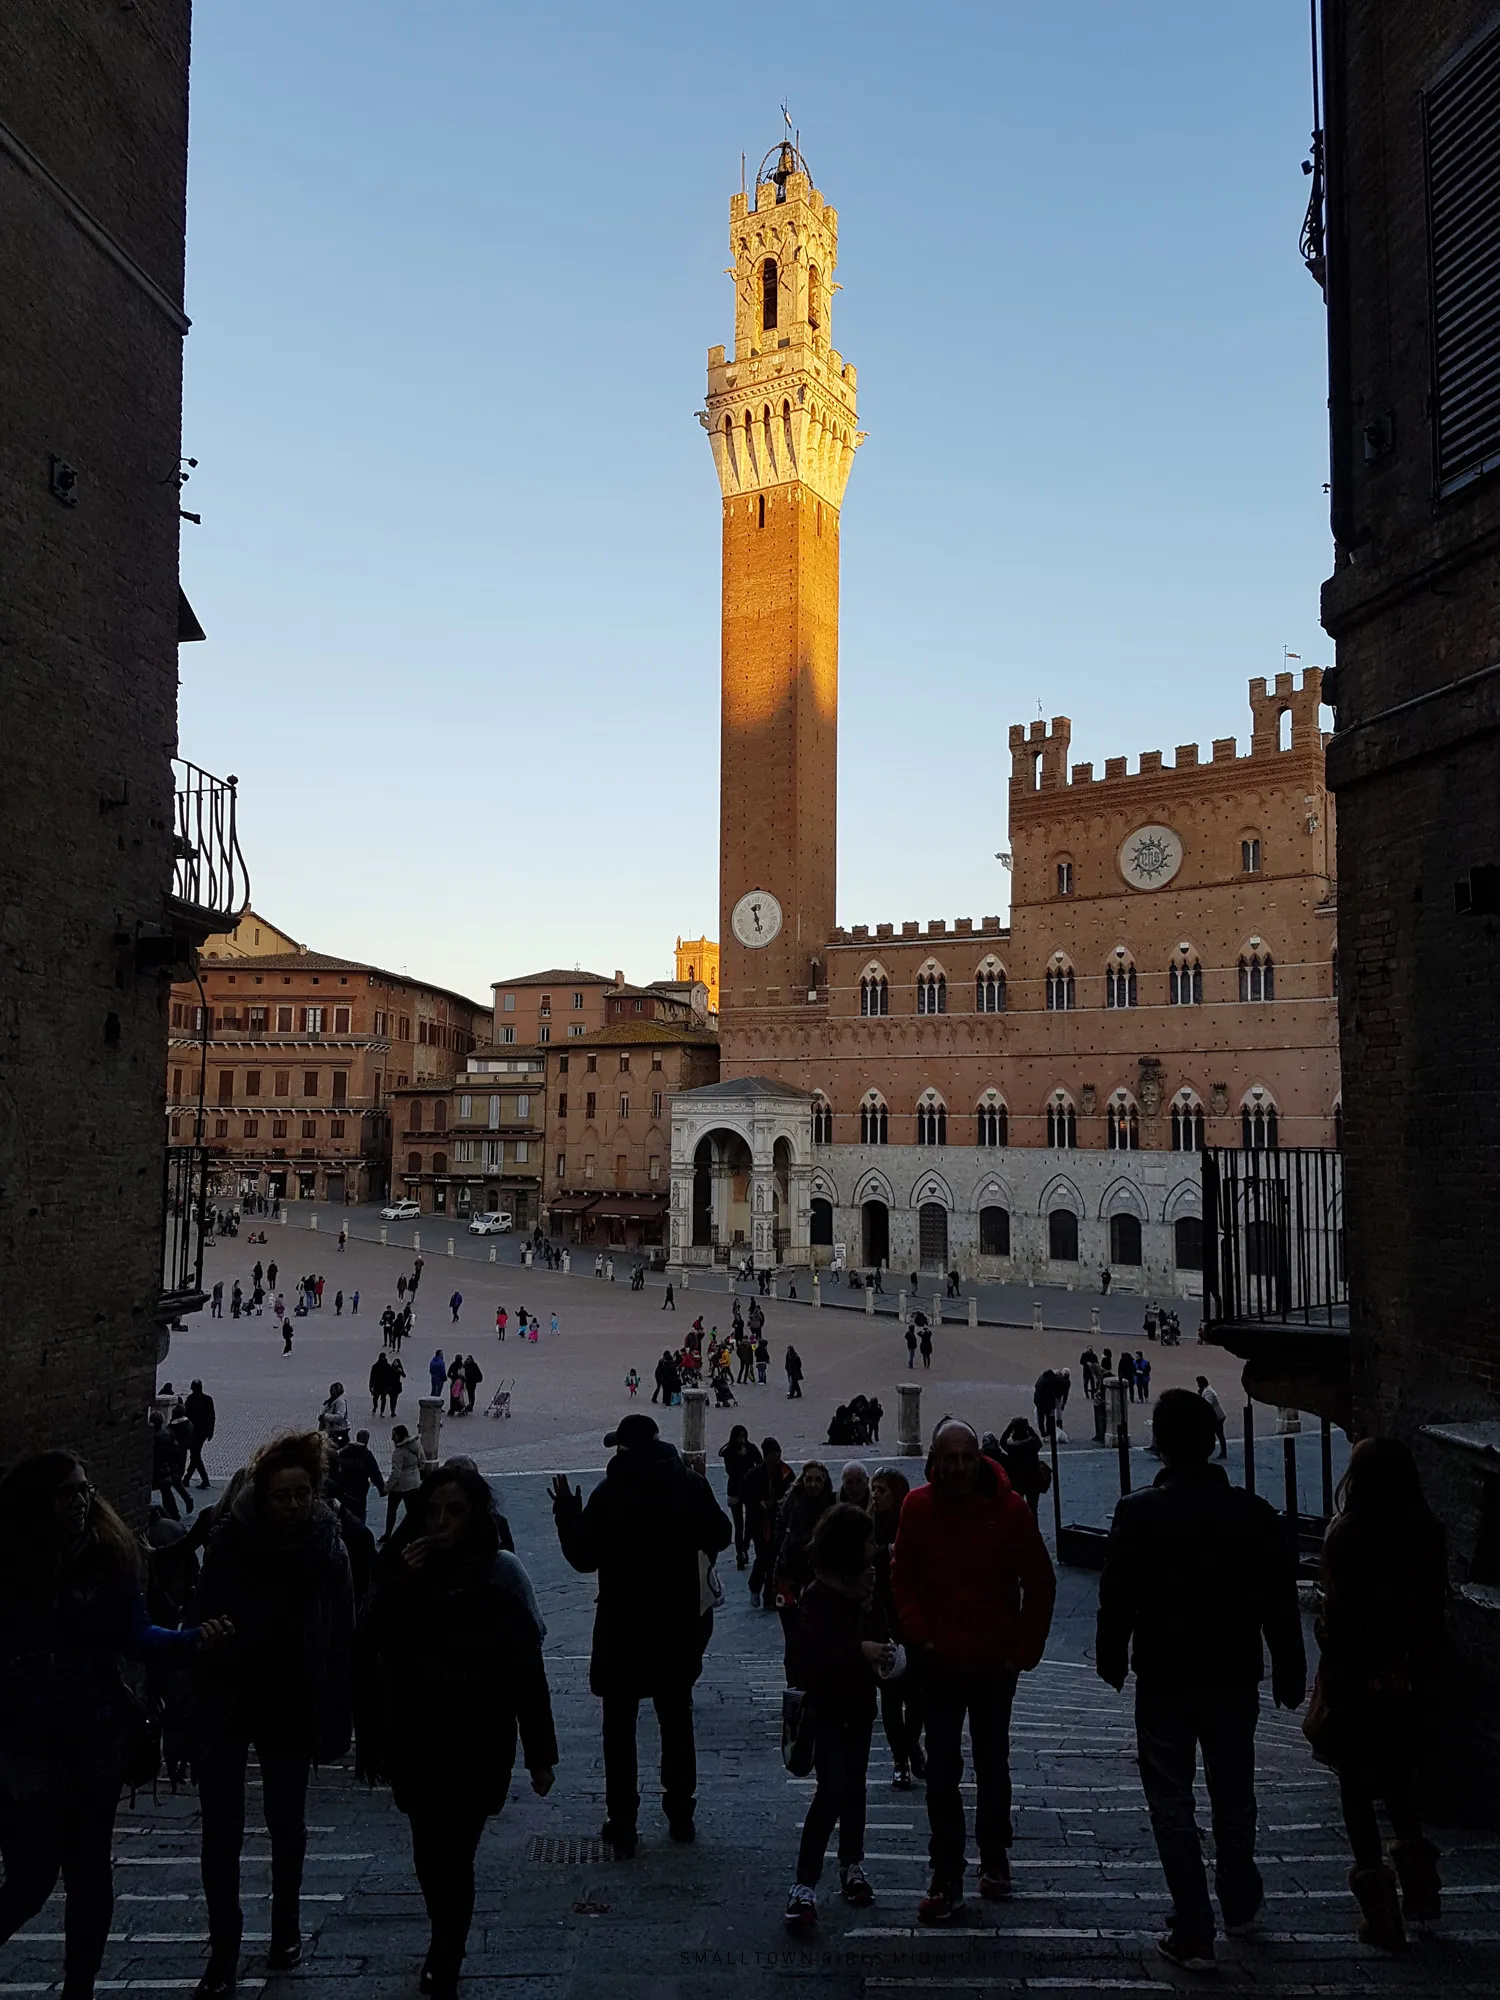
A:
[(1463, 199)]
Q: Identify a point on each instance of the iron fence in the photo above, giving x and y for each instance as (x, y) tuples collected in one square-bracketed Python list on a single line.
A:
[(208, 869), (185, 1198), (1273, 1226)]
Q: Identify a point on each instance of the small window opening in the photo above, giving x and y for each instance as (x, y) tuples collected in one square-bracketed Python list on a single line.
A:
[(768, 289)]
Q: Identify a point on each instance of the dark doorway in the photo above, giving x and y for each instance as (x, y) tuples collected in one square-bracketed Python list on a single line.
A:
[(875, 1233), (932, 1236), (1187, 1234), (1124, 1239), (1062, 1236), (820, 1223)]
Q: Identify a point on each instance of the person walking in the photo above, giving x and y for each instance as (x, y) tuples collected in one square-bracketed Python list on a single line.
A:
[(762, 1359), (404, 1477), (276, 1571), (739, 1457), (456, 1386), (835, 1652), (401, 1287), (808, 1499), (355, 1471), (556, 1328), (766, 1486), (924, 1342), (395, 1382), (1382, 1644), (1104, 1281), (343, 1237), (644, 1531), (318, 1284), (1126, 1374), (455, 1301), (670, 1298), (71, 1605), (1195, 1572), (793, 1366), (380, 1384), (167, 1467), (1211, 1397), (1044, 1399), (473, 1376), (632, 1383), (663, 1370), (1088, 1363), (216, 1306), (286, 1334), (437, 1372), (1142, 1377), (199, 1408), (911, 1345), (900, 1708), (452, 1630), (501, 1320), (354, 1305), (974, 1589)]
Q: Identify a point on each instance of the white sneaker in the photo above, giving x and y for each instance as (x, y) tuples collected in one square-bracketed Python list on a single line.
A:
[(801, 1908)]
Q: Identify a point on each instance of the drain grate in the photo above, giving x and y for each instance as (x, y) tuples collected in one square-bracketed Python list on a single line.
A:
[(544, 1847)]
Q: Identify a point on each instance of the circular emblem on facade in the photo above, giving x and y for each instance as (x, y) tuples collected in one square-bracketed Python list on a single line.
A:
[(1150, 857), (756, 919)]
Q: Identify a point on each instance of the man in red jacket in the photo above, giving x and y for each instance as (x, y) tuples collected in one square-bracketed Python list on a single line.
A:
[(974, 1587)]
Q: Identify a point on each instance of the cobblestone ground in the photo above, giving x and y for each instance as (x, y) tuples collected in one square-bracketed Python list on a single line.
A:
[(706, 1920)]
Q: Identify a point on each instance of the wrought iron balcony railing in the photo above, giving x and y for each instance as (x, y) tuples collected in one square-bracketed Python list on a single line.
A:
[(185, 1193), (1273, 1229), (210, 882)]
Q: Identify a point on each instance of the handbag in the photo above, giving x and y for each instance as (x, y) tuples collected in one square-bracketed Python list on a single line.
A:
[(710, 1589), (798, 1731)]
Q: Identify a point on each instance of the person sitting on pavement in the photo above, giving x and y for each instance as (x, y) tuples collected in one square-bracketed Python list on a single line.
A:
[(1195, 1572)]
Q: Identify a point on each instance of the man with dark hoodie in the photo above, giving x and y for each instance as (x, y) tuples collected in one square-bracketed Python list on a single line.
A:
[(644, 1529), (277, 1572), (974, 1589), (1195, 1572)]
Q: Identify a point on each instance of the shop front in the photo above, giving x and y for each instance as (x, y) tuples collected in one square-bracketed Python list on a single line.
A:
[(569, 1217), (629, 1221)]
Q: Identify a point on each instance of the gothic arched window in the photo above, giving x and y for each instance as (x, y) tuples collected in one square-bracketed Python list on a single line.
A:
[(1257, 975), (768, 288), (989, 988), (1119, 982), (1185, 978), (1187, 1123), (874, 992), (992, 1121), (1062, 1123), (932, 1120), (874, 1121), (1258, 1123), (1122, 1124), (932, 992), (1060, 987), (814, 297), (822, 1121)]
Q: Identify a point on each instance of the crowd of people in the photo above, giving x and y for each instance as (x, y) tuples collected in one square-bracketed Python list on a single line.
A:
[(274, 1625)]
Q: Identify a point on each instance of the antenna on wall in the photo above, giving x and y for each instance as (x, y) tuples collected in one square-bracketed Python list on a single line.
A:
[(742, 173)]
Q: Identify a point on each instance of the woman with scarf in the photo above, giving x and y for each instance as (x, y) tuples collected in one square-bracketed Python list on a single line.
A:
[(276, 1569), (71, 1732), (453, 1629), (807, 1501)]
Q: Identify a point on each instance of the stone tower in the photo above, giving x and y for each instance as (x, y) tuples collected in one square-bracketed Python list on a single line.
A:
[(781, 420)]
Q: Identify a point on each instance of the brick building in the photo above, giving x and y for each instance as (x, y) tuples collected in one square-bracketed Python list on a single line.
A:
[(609, 1118), (475, 1143), (295, 1055), (1023, 1101), (114, 867), (1412, 250), (539, 1008)]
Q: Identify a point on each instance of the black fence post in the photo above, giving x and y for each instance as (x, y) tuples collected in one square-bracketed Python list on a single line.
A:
[(1289, 1469), (1056, 1495), (1326, 1444), (1124, 1438), (1249, 1446)]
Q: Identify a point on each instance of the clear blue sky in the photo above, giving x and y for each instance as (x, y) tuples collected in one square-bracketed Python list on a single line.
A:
[(453, 270)]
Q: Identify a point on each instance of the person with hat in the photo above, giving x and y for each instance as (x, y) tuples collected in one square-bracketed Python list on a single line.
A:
[(644, 1530)]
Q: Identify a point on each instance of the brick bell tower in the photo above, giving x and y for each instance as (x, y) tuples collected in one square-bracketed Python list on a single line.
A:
[(781, 420)]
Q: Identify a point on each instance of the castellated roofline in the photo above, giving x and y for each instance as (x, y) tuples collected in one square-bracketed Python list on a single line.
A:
[(1039, 750), (912, 932)]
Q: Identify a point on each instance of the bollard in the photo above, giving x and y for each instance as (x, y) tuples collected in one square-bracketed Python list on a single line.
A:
[(729, 1281), (870, 1300), (526, 1257), (312, 1221), (817, 1290), (384, 1233), (695, 1429), (685, 1285), (1093, 1319), (909, 1419), (416, 1239), (1036, 1315), (937, 1308), (1114, 1410), (901, 1307), (973, 1312), (1288, 1422), (429, 1426), (283, 1218), (567, 1262), (450, 1246)]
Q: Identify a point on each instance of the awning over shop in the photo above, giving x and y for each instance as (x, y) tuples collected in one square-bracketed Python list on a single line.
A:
[(572, 1204), (632, 1207)]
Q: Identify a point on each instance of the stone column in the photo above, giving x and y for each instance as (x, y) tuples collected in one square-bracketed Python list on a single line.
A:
[(695, 1429), (909, 1419), (973, 1312), (1036, 1315), (1093, 1319), (429, 1428)]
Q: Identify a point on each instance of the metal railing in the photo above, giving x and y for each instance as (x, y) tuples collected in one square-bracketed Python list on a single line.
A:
[(185, 1198), (1273, 1225), (208, 870)]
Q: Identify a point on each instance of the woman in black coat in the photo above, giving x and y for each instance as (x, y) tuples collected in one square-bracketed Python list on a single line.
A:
[(277, 1571), (452, 1630), (740, 1457)]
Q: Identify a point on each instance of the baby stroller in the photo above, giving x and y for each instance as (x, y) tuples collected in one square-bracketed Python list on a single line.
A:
[(724, 1396), (499, 1403)]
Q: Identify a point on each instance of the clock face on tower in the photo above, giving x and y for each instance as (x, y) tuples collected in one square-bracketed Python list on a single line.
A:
[(1150, 857), (756, 919)]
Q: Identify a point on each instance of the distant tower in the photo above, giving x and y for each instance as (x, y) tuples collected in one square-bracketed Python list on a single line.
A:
[(781, 421)]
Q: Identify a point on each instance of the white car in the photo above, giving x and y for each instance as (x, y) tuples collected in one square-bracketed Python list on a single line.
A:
[(400, 1211), (492, 1224)]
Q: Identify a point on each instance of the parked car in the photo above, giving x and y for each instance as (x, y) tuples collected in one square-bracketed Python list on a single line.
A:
[(400, 1211), (496, 1222)]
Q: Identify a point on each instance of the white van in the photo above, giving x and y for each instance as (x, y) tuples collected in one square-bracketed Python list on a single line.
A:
[(497, 1222)]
